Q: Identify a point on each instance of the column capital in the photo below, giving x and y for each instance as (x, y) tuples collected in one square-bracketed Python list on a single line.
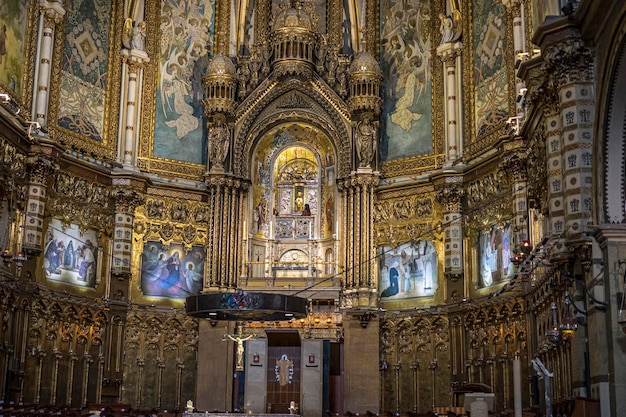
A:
[(41, 168), (610, 233), (515, 160), (225, 181), (134, 58), (366, 179), (581, 249), (514, 6), (52, 11), (450, 197), (569, 61), (449, 51)]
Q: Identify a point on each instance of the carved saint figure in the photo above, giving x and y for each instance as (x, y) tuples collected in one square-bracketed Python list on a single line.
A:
[(219, 140), (446, 28), (139, 34), (366, 131)]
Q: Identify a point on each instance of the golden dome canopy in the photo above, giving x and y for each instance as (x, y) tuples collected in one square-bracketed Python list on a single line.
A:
[(364, 63), (221, 66), (294, 17)]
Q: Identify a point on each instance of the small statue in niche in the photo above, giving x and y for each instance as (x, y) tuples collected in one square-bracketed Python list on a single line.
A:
[(366, 140), (218, 143), (139, 35), (450, 26), (134, 35)]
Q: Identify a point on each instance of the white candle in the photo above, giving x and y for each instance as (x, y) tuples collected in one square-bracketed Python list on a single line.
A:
[(517, 387), (310, 230), (245, 229), (271, 229)]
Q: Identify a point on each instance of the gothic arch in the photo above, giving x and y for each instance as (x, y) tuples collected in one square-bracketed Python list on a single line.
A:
[(611, 181), (310, 103)]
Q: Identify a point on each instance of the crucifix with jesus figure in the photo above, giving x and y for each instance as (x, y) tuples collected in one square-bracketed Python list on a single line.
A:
[(239, 338)]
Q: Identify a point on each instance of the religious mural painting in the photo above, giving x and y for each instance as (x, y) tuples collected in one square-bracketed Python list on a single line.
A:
[(494, 255), (13, 20), (406, 63), (171, 272), (490, 74), (84, 72), (186, 31), (408, 271), (71, 254)]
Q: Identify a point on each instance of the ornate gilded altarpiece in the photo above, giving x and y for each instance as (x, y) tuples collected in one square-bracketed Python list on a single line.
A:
[(409, 241), (489, 229), (85, 79)]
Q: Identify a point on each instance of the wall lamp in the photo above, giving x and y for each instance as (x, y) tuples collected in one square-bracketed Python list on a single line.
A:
[(568, 325), (554, 334), (365, 318)]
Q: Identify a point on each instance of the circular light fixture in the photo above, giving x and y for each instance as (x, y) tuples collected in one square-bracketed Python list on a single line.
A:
[(241, 305)]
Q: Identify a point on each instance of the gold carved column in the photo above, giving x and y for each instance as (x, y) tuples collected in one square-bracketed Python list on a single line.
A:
[(227, 197), (359, 283)]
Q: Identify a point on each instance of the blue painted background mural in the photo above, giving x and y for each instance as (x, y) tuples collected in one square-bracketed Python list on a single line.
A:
[(84, 67), (407, 67), (490, 78), (186, 31), (12, 44)]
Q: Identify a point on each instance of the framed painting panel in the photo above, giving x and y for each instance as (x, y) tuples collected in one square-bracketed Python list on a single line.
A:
[(171, 272), (408, 271), (71, 255)]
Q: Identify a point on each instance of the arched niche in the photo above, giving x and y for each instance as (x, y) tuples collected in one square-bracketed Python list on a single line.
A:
[(292, 205), (308, 103), (293, 165), (611, 172)]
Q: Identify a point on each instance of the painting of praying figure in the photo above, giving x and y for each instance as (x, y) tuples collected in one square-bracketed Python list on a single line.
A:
[(71, 255), (408, 271)]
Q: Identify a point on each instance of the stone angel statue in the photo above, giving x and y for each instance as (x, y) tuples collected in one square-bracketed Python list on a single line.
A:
[(451, 26)]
